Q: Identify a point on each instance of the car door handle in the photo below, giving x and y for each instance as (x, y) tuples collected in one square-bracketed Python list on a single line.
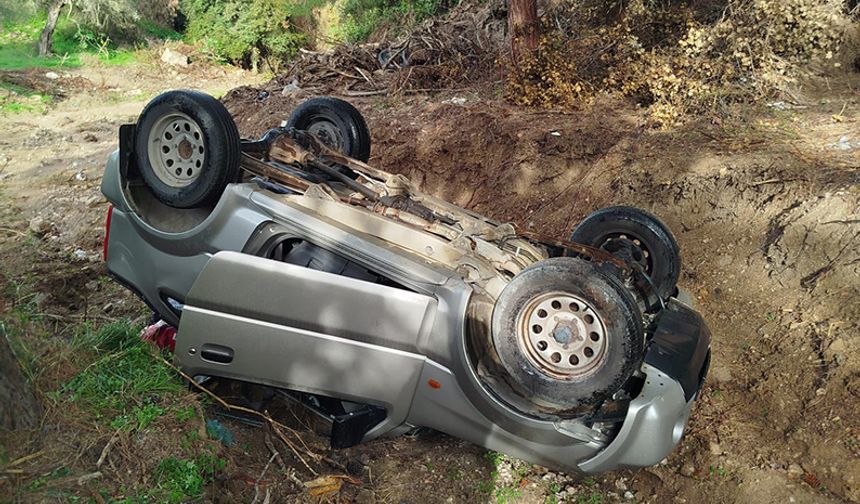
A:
[(217, 353)]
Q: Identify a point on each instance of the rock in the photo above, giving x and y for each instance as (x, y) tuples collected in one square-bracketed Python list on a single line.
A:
[(52, 75), (721, 374), (80, 254), (715, 448), (89, 137), (291, 88), (174, 58), (688, 469), (81, 176), (628, 495), (795, 471), (838, 346), (39, 226)]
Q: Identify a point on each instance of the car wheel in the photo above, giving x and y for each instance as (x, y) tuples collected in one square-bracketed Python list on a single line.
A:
[(637, 237), (567, 334), (336, 123), (187, 148)]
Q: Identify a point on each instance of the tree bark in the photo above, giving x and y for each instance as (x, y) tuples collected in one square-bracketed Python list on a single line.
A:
[(47, 35), (19, 408), (523, 27)]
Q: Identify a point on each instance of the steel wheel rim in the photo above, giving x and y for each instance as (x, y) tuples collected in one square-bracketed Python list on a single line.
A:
[(328, 133), (562, 335), (177, 149)]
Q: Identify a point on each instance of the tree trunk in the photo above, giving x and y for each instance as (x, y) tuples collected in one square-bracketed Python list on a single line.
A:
[(523, 26), (48, 32), (19, 408)]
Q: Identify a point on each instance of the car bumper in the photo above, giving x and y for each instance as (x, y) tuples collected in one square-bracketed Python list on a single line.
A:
[(675, 367)]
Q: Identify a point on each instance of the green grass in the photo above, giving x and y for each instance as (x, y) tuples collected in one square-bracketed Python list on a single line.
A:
[(181, 480), (18, 46), (125, 385), (20, 99)]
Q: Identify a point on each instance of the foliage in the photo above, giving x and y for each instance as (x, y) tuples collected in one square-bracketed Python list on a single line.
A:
[(184, 479), (361, 18), (680, 57), (545, 79), (248, 33)]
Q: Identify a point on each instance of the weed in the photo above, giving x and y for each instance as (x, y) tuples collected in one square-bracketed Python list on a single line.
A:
[(454, 474), (139, 418), (719, 471), (182, 479), (504, 495), (185, 414), (591, 498)]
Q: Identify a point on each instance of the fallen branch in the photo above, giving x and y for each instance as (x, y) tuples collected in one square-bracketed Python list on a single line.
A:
[(106, 450), (260, 478), (26, 458), (274, 424)]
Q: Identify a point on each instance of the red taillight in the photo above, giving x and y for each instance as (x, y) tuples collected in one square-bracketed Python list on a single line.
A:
[(107, 232)]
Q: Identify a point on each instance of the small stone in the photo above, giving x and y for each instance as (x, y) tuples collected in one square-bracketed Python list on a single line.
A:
[(89, 137), (81, 176), (290, 88), (838, 346), (715, 448), (628, 495), (39, 226), (688, 469), (820, 392), (52, 75), (795, 471), (721, 374), (80, 254), (174, 58)]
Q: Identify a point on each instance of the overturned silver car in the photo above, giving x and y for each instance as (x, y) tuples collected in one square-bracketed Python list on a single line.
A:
[(290, 262)]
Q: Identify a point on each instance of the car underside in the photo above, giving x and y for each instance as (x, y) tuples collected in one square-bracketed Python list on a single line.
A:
[(289, 261)]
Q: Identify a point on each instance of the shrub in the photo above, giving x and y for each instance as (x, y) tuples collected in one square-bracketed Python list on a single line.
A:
[(679, 57), (249, 32), (361, 18)]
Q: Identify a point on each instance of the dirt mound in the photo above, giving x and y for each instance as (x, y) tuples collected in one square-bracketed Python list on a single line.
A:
[(46, 82)]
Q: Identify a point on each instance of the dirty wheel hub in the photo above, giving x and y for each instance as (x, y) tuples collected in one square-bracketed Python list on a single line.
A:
[(328, 133), (562, 335), (177, 150)]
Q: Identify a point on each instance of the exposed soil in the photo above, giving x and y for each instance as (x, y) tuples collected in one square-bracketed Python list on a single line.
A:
[(766, 207)]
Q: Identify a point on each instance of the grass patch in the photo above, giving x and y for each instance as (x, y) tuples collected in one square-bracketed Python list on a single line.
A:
[(127, 386), (18, 46), (184, 479)]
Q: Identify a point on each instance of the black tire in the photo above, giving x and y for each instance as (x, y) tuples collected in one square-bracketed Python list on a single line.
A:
[(336, 122), (601, 294), (213, 161), (657, 252)]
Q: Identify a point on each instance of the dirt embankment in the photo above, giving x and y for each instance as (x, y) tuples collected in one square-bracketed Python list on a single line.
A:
[(767, 212)]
